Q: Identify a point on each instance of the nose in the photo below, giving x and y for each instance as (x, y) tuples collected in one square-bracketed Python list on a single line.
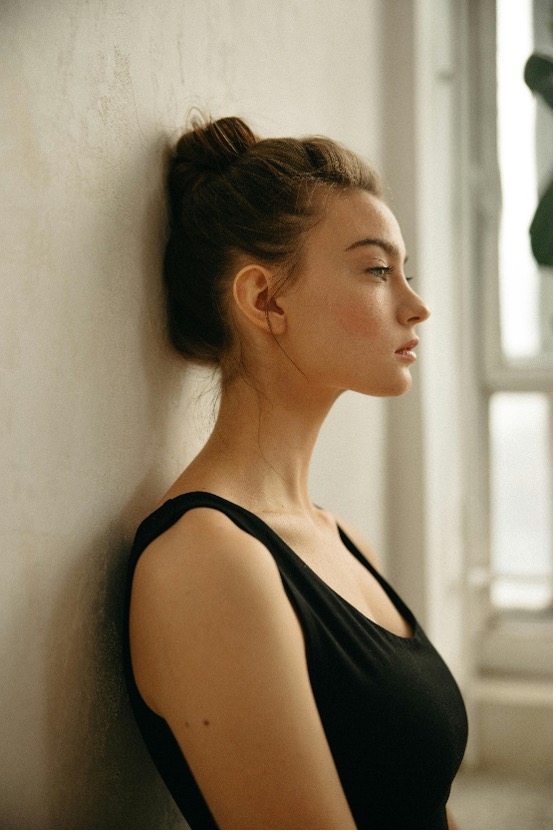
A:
[(413, 310)]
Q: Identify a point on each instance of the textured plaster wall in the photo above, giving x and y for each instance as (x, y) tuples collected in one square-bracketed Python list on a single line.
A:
[(97, 417)]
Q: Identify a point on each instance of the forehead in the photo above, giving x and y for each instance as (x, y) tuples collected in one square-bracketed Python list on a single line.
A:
[(353, 216)]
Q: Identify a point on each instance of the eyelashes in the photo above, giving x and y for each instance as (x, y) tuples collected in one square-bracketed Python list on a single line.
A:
[(383, 271), (380, 271)]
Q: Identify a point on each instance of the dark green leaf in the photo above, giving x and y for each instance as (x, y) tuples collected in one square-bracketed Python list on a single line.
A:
[(538, 76), (541, 229)]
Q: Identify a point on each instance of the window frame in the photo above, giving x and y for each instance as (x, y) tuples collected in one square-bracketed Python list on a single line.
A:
[(505, 641)]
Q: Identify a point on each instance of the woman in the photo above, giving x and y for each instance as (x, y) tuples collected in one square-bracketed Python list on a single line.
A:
[(278, 680)]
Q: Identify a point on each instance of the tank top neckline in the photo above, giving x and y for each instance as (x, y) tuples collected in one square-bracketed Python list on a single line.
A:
[(398, 604)]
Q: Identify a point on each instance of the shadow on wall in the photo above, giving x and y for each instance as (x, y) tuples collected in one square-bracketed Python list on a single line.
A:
[(99, 773)]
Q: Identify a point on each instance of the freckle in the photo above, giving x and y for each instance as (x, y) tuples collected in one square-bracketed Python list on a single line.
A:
[(206, 722), (187, 724)]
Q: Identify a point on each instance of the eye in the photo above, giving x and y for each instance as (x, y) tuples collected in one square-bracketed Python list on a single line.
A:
[(380, 271)]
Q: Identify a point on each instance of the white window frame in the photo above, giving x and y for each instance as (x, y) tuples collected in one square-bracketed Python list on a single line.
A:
[(504, 643)]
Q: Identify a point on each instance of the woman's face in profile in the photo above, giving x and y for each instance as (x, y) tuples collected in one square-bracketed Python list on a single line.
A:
[(351, 311)]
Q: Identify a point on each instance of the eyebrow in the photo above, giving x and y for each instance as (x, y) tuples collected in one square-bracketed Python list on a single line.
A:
[(377, 241)]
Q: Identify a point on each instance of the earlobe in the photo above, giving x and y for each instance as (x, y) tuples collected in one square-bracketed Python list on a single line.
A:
[(252, 293)]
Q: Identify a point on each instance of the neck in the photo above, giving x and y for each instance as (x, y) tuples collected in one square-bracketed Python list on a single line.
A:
[(261, 446)]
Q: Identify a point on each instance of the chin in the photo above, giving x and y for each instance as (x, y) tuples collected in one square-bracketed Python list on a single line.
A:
[(403, 389)]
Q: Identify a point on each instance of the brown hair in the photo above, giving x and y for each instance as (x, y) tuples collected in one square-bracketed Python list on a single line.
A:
[(232, 194)]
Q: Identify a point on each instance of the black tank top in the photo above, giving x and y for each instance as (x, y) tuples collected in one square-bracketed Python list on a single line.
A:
[(391, 711)]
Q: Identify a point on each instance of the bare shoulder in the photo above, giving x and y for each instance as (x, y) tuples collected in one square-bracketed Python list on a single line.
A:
[(218, 651), (361, 542), (203, 575), (203, 541)]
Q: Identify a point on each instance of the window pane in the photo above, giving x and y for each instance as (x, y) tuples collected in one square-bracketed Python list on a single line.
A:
[(524, 305), (520, 500)]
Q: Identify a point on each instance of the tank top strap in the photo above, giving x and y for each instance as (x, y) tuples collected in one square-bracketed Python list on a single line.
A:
[(172, 510)]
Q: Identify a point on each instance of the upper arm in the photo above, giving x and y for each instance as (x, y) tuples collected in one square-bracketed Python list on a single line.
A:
[(218, 651)]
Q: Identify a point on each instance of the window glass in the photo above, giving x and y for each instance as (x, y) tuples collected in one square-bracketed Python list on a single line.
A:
[(524, 288), (520, 500)]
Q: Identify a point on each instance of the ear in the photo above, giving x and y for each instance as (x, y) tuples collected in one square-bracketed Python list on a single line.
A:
[(252, 293)]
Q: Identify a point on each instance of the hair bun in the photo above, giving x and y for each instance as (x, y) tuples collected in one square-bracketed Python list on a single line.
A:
[(208, 148), (214, 146)]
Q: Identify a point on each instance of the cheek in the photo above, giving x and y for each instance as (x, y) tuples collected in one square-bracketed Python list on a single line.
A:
[(360, 317)]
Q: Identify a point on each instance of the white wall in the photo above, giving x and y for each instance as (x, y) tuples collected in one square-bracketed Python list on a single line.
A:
[(97, 417)]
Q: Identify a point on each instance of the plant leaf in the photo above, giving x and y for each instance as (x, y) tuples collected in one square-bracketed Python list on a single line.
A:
[(538, 76), (541, 229)]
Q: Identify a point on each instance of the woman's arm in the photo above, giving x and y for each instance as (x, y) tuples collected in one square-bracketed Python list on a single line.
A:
[(219, 653)]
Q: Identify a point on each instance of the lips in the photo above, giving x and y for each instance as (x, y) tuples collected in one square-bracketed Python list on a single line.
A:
[(407, 349)]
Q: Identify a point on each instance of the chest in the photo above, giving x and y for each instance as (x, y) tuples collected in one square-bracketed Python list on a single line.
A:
[(326, 555), (391, 710), (395, 722)]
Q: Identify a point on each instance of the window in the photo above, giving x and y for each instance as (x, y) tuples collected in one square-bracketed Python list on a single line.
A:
[(510, 165), (517, 382), (524, 149), (520, 500)]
